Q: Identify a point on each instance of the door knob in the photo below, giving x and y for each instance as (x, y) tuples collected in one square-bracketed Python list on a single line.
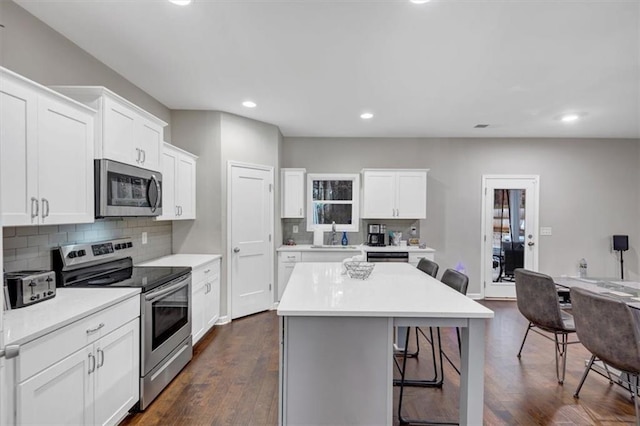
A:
[(530, 243), (236, 250)]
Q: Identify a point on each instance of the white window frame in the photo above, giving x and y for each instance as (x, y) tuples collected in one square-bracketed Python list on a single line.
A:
[(355, 202)]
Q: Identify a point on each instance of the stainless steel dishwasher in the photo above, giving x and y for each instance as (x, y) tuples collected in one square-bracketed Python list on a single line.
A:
[(388, 256)]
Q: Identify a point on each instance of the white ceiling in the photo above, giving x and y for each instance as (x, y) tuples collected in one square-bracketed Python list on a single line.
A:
[(430, 70)]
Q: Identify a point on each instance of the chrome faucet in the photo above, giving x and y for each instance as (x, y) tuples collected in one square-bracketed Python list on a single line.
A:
[(334, 234)]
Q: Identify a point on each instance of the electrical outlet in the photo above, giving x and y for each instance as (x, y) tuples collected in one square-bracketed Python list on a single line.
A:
[(546, 230), (295, 229), (144, 238)]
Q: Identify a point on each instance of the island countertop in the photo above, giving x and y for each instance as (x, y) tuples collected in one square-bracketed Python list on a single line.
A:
[(392, 290)]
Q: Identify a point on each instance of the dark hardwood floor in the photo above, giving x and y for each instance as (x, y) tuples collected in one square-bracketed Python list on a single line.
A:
[(233, 379)]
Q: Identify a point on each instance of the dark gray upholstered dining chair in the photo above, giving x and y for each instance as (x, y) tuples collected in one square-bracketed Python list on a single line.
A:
[(537, 299), (609, 329)]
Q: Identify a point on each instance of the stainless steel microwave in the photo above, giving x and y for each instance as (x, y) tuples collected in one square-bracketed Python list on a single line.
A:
[(125, 190)]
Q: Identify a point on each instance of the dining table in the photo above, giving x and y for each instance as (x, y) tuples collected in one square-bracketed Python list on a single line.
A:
[(625, 290)]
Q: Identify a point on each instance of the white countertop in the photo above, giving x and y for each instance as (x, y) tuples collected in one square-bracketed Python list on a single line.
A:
[(191, 260), (69, 305), (358, 248), (392, 290)]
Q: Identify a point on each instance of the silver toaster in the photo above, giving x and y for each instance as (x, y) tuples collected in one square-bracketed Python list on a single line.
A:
[(25, 288)]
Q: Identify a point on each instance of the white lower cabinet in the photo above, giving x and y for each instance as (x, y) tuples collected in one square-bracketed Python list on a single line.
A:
[(96, 384), (205, 292), (415, 257)]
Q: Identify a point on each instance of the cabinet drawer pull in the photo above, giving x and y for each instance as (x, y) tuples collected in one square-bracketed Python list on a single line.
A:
[(144, 156), (206, 271), (300, 212), (92, 363), (100, 358), (93, 330), (138, 151)]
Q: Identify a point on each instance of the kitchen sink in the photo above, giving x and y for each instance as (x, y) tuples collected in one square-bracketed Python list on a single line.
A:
[(328, 247)]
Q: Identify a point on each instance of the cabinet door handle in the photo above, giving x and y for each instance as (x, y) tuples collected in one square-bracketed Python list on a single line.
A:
[(45, 212), (100, 358), (92, 363), (177, 211), (300, 212), (144, 155), (35, 212), (206, 271), (139, 152), (93, 330), (180, 210)]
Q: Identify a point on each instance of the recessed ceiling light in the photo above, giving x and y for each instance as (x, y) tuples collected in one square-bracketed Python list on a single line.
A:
[(366, 115), (420, 1), (568, 118), (180, 2), (249, 104)]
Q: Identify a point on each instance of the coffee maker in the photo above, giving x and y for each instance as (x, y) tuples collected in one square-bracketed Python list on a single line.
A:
[(376, 235)]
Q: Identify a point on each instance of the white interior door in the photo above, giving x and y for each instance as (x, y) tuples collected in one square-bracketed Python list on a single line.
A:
[(251, 250), (510, 231)]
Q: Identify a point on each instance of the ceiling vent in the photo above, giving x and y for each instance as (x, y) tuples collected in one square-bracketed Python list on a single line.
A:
[(480, 126)]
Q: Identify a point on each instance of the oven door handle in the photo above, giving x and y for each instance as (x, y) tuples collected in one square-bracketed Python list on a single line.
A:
[(153, 295)]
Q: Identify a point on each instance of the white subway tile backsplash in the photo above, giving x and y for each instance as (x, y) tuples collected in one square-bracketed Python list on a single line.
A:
[(38, 240), (29, 247), (15, 265), (9, 255), (27, 253), (57, 239), (75, 237), (48, 229), (27, 230), (14, 242)]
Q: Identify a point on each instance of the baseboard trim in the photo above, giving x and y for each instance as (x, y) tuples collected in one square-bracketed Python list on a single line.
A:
[(223, 320)]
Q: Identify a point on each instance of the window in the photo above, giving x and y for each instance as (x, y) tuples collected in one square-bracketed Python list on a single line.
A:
[(333, 198)]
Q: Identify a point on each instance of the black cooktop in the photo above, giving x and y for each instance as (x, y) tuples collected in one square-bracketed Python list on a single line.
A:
[(121, 274)]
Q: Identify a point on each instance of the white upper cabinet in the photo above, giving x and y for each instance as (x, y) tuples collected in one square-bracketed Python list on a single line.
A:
[(47, 143), (124, 132), (178, 184), (394, 194), (292, 187)]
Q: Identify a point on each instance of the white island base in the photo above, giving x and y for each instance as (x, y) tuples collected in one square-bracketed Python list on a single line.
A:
[(336, 338)]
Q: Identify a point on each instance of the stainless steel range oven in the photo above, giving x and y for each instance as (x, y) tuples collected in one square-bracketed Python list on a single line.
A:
[(165, 304)]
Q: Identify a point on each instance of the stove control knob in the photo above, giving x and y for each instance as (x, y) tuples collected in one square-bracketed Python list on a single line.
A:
[(117, 246), (49, 293), (33, 298), (81, 253), (129, 244), (72, 254)]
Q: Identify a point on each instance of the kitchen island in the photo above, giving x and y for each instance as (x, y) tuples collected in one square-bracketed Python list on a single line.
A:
[(336, 336)]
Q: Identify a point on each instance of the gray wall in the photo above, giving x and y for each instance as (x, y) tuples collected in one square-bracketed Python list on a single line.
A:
[(218, 138), (34, 50), (588, 192)]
